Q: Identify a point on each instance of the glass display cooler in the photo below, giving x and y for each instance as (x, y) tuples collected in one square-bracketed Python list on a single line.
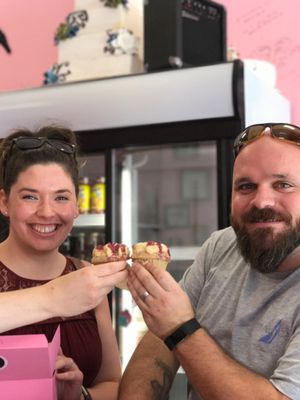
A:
[(163, 142), (89, 226)]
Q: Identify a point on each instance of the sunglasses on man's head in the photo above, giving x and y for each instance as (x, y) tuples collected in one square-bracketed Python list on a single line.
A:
[(30, 143), (286, 132)]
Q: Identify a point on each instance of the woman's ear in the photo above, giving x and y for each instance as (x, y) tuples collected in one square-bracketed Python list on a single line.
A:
[(76, 213), (3, 203)]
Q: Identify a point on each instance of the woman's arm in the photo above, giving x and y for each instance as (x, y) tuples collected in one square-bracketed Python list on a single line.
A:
[(65, 296), (107, 381), (24, 307)]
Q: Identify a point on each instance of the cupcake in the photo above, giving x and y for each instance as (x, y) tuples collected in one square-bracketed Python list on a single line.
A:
[(151, 253), (111, 252)]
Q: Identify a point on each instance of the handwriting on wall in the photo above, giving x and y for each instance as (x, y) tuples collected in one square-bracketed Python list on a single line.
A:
[(269, 31)]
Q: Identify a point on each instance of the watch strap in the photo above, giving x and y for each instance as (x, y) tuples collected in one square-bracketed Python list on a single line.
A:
[(181, 333), (86, 393)]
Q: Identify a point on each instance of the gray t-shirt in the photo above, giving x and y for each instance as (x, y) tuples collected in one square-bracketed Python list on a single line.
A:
[(254, 317)]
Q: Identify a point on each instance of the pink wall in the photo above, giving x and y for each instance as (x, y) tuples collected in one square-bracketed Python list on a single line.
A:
[(259, 29), (269, 30), (29, 27)]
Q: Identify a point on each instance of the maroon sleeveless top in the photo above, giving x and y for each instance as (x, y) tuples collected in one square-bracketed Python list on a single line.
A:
[(79, 335)]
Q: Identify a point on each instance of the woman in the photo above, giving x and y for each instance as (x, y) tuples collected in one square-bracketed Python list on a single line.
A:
[(39, 197)]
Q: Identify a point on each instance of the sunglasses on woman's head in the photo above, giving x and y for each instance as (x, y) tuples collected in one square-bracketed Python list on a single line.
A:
[(30, 143), (286, 132)]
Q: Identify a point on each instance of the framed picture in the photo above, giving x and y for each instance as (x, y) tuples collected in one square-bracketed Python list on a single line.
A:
[(195, 184), (177, 216)]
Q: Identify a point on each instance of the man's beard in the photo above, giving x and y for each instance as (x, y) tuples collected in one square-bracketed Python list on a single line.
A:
[(263, 249)]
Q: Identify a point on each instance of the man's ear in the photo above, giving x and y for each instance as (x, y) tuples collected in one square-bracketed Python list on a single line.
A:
[(3, 203)]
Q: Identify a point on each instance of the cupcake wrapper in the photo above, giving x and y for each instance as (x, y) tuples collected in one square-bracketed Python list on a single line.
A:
[(152, 261), (122, 285)]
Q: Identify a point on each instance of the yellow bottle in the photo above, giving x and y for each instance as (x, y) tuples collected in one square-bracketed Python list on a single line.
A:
[(98, 196), (84, 195)]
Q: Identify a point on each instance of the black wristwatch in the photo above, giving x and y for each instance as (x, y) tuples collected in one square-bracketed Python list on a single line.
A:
[(86, 394), (182, 332)]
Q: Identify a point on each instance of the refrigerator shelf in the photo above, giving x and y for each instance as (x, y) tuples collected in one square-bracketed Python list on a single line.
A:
[(87, 220)]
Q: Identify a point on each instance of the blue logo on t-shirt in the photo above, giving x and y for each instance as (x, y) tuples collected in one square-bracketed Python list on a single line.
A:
[(269, 337)]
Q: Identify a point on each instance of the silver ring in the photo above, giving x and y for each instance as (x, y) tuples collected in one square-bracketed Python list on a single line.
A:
[(144, 296)]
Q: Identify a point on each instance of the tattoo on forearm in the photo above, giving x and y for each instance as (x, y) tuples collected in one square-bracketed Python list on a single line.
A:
[(160, 391)]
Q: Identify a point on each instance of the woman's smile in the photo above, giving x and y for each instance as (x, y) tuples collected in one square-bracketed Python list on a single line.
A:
[(44, 228)]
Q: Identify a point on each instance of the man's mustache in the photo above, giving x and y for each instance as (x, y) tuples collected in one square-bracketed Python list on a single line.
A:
[(266, 215)]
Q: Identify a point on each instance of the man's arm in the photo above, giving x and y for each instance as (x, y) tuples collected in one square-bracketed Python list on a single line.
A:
[(216, 376), (212, 373), (150, 372)]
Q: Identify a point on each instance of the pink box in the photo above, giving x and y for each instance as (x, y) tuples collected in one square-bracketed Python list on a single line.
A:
[(27, 367)]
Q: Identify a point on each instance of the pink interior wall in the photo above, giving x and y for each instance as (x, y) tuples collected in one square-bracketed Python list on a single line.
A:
[(269, 30), (29, 27)]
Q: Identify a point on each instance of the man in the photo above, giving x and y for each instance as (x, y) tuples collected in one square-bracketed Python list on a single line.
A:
[(235, 326)]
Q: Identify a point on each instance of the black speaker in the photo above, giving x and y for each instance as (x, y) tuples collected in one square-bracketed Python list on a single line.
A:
[(183, 33)]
